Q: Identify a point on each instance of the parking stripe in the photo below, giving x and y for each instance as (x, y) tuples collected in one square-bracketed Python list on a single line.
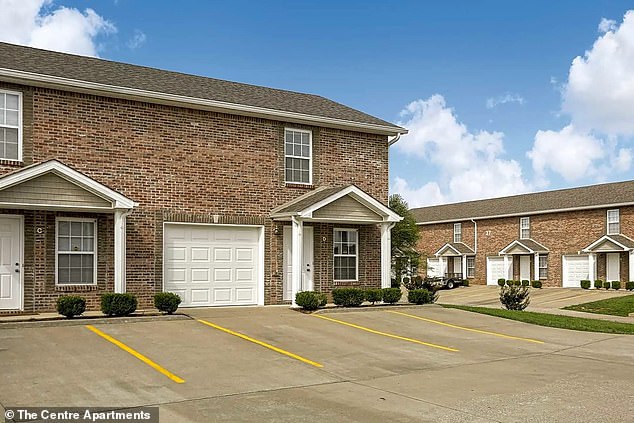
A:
[(264, 344), (402, 338), (486, 332), (136, 354)]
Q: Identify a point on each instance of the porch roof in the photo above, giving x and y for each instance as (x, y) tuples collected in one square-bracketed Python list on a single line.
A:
[(524, 246), (610, 243), (454, 249), (52, 185), (336, 204)]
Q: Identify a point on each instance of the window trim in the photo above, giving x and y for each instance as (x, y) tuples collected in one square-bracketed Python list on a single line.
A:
[(356, 279), (458, 233), (20, 124), (528, 227), (467, 267), (540, 267), (59, 219), (607, 221), (310, 155)]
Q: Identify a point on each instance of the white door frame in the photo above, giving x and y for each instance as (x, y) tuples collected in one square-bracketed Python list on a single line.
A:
[(527, 262), (307, 282), (616, 256), (20, 268)]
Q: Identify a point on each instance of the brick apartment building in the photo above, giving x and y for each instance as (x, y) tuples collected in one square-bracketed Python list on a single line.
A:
[(559, 237), (121, 178)]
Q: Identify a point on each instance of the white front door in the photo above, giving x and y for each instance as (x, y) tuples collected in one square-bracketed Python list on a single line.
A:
[(525, 268), (306, 283), (10, 265), (457, 265), (613, 269)]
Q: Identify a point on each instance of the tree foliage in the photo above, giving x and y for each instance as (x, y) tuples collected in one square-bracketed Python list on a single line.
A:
[(405, 235)]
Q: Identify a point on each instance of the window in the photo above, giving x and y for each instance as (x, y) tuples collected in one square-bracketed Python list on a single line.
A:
[(457, 232), (345, 255), (76, 251), (543, 267), (297, 155), (10, 125), (470, 267), (614, 226), (525, 227)]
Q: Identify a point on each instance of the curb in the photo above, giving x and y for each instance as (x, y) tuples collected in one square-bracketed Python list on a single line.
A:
[(97, 320)]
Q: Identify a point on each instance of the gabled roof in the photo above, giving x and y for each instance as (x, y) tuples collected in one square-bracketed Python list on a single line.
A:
[(458, 248), (530, 246), (86, 74), (304, 206), (615, 242), (594, 196), (118, 201)]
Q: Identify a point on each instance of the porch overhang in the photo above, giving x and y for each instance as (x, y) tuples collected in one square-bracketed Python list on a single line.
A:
[(524, 246), (454, 249), (610, 244)]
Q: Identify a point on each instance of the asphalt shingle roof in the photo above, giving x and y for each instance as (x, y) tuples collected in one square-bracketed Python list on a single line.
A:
[(303, 202), (118, 74), (526, 204)]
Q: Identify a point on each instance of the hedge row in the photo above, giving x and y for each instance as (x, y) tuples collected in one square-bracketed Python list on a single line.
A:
[(116, 304), (524, 282), (354, 297)]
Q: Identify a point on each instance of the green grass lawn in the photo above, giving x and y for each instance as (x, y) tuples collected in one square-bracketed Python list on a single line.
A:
[(553, 320), (619, 306)]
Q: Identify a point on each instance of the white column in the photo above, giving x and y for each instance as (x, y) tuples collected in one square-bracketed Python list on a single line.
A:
[(386, 254), (506, 267), (119, 250), (297, 244), (591, 268), (631, 263), (536, 267), (464, 267)]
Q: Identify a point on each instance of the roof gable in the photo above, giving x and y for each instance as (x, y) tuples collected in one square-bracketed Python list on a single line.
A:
[(609, 243), (524, 246)]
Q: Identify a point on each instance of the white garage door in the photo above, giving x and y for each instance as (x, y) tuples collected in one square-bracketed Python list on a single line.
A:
[(434, 267), (211, 265), (495, 270), (576, 269)]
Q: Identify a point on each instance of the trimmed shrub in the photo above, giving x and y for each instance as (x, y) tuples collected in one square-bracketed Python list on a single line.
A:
[(71, 305), (501, 282), (308, 300), (118, 304), (391, 295), (373, 295), (517, 283), (525, 282), (598, 283), (167, 302), (323, 299), (629, 285), (616, 285), (585, 284), (348, 297), (509, 282), (515, 297), (416, 282), (606, 285), (421, 296), (536, 284), (394, 283), (465, 282)]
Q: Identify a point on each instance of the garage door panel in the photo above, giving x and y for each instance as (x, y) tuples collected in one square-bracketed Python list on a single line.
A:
[(222, 254), (200, 254), (176, 253), (245, 295), (222, 275), (200, 275), (222, 295), (244, 254), (177, 275), (200, 296), (243, 275)]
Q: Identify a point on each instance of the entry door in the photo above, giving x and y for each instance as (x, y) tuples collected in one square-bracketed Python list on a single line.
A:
[(525, 268), (612, 267), (10, 276), (306, 283), (457, 265)]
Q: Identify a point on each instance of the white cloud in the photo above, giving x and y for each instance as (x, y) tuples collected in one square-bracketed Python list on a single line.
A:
[(35, 23), (137, 40), (607, 25), (504, 99), (470, 165)]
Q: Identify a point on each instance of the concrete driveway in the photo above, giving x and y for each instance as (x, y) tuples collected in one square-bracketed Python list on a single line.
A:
[(419, 364)]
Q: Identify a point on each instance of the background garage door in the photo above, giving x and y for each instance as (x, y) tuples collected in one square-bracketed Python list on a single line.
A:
[(495, 270), (576, 269), (210, 265)]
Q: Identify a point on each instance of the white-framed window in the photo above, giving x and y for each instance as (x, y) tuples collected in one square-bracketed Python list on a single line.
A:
[(457, 232), (298, 164), (543, 267), (525, 227), (345, 252), (471, 267), (10, 125), (614, 224), (76, 251)]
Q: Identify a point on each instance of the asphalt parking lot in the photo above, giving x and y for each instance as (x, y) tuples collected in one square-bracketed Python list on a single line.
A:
[(423, 364)]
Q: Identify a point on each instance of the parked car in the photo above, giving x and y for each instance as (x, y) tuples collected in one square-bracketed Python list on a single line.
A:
[(439, 282)]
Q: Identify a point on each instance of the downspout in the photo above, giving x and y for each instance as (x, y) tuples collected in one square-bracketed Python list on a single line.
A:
[(475, 236), (394, 140)]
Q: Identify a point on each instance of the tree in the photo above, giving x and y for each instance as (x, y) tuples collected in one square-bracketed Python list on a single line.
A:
[(405, 235)]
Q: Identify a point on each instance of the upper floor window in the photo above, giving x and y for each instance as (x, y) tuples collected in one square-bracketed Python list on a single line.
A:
[(298, 156), (525, 227), (10, 125), (614, 225), (457, 232)]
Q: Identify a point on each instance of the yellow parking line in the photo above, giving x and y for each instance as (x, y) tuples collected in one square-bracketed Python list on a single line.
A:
[(136, 354), (501, 335), (264, 344), (402, 338)]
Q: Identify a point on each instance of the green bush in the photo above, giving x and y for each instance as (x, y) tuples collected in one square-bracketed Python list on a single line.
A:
[(391, 295), (374, 294), (465, 282), (598, 283), (509, 282), (167, 302), (406, 280), (585, 284), (323, 299), (394, 283), (629, 285), (606, 285), (536, 284), (308, 300), (71, 305), (421, 296), (501, 282), (616, 285), (416, 282), (118, 304), (515, 297), (517, 283), (525, 282), (348, 297)]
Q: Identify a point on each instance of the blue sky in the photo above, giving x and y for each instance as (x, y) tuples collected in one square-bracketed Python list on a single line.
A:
[(488, 89)]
